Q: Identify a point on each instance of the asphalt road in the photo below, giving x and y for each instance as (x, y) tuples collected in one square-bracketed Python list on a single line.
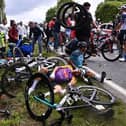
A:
[(116, 71)]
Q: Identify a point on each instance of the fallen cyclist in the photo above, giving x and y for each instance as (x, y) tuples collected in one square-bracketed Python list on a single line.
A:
[(64, 74)]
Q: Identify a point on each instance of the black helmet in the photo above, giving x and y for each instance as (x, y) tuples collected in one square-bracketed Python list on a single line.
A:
[(82, 44)]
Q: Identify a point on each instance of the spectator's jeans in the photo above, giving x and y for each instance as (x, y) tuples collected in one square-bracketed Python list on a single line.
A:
[(39, 39), (56, 42)]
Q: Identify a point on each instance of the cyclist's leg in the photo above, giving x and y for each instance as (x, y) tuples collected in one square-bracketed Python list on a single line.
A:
[(98, 77), (36, 101)]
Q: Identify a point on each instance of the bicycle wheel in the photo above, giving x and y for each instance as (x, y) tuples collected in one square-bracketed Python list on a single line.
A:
[(13, 78), (70, 8), (37, 109), (96, 95), (18, 53), (57, 61), (111, 51)]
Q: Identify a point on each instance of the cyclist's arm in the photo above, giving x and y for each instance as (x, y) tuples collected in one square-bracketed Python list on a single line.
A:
[(73, 81)]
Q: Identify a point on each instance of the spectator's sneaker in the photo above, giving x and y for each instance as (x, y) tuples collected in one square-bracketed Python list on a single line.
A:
[(122, 59), (103, 75)]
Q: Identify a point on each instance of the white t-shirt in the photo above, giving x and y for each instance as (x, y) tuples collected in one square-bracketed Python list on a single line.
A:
[(4, 29)]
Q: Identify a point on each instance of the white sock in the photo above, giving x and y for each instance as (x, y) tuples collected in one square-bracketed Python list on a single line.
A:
[(47, 94), (97, 77), (33, 86), (62, 92)]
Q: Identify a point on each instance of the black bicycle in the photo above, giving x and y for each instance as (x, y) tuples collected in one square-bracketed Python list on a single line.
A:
[(13, 77)]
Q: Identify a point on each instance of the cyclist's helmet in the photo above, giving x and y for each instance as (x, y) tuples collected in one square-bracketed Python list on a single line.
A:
[(123, 7), (82, 44)]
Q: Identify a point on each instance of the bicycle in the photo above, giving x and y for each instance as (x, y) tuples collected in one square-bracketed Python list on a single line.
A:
[(42, 100), (13, 77), (105, 44)]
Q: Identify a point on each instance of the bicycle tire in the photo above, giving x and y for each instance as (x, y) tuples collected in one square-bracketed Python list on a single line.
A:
[(57, 60), (38, 111), (101, 96), (111, 55), (62, 13), (12, 78), (64, 23)]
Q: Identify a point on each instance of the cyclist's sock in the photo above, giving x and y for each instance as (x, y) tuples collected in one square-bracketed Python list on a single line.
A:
[(62, 92), (32, 88), (100, 77)]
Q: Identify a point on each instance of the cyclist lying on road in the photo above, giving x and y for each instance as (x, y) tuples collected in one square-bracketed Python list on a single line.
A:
[(62, 74)]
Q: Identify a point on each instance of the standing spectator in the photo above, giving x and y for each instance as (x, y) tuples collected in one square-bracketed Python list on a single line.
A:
[(121, 27), (3, 35), (21, 30), (47, 33), (36, 34), (56, 31), (51, 30), (2, 44), (4, 28), (13, 33), (68, 30), (83, 32), (62, 35)]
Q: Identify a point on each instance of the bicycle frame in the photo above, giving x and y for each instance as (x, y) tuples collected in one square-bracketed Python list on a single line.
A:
[(67, 98)]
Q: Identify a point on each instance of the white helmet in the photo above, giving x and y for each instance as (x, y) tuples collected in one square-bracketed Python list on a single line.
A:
[(123, 7)]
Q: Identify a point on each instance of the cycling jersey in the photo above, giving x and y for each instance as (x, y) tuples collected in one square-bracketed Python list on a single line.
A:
[(123, 21), (62, 74)]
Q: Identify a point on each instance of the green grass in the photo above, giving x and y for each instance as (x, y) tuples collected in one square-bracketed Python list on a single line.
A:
[(81, 117)]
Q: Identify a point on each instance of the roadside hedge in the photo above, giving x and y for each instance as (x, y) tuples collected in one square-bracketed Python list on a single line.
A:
[(107, 11)]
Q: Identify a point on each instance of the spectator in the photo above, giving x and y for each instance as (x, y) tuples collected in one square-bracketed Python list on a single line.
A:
[(51, 25), (121, 27), (4, 28), (3, 35), (21, 30), (56, 31), (36, 34), (13, 33), (47, 33), (2, 44), (83, 32)]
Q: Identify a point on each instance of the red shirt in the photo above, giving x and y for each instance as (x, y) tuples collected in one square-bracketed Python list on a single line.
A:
[(51, 24), (13, 34)]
